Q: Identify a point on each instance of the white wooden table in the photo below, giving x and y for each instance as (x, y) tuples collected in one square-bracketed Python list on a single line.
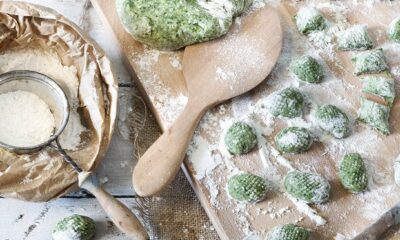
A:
[(176, 214), (20, 220)]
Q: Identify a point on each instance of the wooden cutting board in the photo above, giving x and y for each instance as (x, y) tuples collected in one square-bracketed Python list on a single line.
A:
[(160, 78)]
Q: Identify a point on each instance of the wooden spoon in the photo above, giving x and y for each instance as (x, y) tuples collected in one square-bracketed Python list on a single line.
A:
[(215, 71)]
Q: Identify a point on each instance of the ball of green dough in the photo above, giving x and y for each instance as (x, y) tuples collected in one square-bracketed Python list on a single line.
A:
[(287, 103), (375, 115), (170, 25), (333, 120), (372, 61), (309, 187), (394, 30), (307, 69), (288, 232), (75, 227), (247, 187), (353, 173), (240, 138), (293, 140), (355, 38), (309, 20)]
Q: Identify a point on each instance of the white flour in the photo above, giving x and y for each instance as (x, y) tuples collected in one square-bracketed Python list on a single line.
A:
[(48, 63), (25, 119)]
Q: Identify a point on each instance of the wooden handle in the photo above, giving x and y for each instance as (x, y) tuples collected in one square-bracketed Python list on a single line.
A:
[(121, 216), (161, 162)]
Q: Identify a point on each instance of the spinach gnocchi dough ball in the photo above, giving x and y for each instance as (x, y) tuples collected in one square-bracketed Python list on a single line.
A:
[(372, 61), (293, 140), (307, 69), (240, 138), (309, 20), (75, 227), (353, 174), (287, 103), (333, 120), (308, 187), (173, 24), (375, 115), (288, 232), (394, 30), (355, 38), (247, 187)]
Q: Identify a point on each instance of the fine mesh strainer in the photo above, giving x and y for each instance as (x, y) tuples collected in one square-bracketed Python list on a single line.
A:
[(54, 96)]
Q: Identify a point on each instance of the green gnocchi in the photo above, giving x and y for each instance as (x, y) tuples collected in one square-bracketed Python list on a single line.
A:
[(75, 227), (240, 138), (307, 69), (380, 86), (293, 140), (375, 115), (355, 38), (288, 232), (353, 174), (372, 61), (309, 20), (289, 103), (308, 187), (247, 187), (333, 120), (394, 30)]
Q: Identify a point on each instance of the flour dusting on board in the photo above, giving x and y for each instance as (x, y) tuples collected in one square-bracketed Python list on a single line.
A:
[(212, 164)]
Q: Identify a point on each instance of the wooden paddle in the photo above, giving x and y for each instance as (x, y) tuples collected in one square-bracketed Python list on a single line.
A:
[(214, 71)]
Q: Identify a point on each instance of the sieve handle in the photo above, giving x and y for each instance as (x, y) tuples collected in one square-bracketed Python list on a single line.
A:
[(121, 216)]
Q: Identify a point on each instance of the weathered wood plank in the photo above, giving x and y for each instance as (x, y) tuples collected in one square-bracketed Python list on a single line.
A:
[(32, 221)]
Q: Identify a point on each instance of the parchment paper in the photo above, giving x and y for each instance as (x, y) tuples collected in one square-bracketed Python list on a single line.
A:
[(25, 25)]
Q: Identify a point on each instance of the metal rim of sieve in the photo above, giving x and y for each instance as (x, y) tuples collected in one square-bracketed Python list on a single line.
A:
[(54, 87)]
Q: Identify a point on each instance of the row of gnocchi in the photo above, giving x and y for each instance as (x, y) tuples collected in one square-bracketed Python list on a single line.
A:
[(289, 103), (356, 38)]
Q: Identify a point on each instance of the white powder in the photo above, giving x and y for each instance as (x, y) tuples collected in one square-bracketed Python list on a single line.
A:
[(49, 63), (25, 119)]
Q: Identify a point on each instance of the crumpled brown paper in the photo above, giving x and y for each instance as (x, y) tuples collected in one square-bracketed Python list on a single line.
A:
[(26, 25)]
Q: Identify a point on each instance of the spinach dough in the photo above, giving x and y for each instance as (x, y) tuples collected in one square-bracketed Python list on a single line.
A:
[(288, 102), (173, 24), (293, 140), (288, 232), (353, 174), (75, 227), (309, 187), (247, 187), (307, 69), (375, 115), (333, 120), (240, 138), (394, 30), (372, 61)]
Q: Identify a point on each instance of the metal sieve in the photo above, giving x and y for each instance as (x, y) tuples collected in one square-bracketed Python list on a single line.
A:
[(49, 91), (52, 94)]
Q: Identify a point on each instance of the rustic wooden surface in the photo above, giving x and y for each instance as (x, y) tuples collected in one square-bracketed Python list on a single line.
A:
[(164, 218), (159, 75), (168, 220)]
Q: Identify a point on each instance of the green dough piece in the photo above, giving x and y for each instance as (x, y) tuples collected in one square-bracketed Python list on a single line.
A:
[(355, 38), (288, 232), (293, 140), (394, 30), (287, 103), (380, 86), (307, 69), (353, 173), (309, 20), (372, 61), (75, 227), (247, 187), (375, 115), (240, 138), (333, 120), (173, 24), (308, 187)]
